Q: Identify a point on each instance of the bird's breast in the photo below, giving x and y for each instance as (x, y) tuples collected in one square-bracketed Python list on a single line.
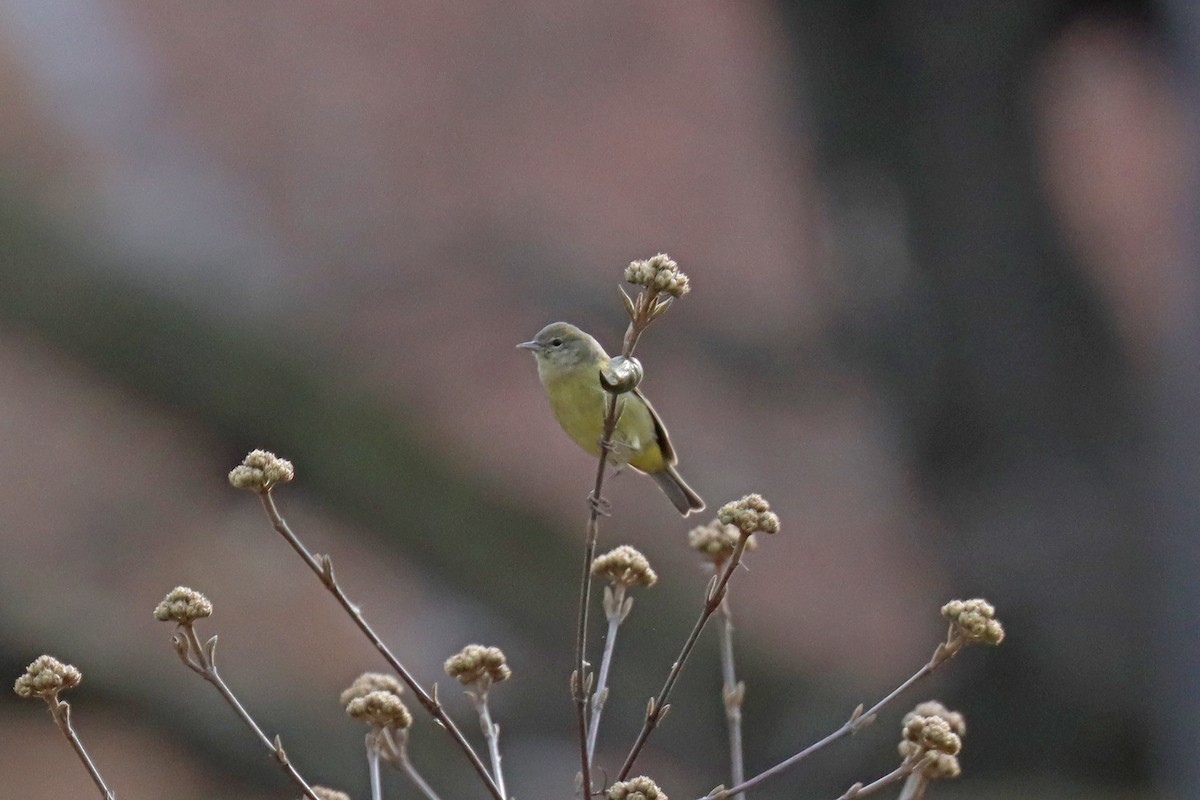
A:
[(579, 405)]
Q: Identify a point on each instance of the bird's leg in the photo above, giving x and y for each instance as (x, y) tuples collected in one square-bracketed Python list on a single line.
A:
[(619, 453)]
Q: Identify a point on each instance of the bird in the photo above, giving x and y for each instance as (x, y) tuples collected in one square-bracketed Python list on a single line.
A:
[(569, 362)]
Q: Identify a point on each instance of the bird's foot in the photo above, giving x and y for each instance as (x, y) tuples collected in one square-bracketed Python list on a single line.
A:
[(600, 506), (619, 453)]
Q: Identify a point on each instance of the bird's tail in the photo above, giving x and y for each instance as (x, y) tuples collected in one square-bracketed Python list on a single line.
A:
[(678, 492)]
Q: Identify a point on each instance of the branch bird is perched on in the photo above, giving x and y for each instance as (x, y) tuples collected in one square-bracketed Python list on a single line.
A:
[(569, 362)]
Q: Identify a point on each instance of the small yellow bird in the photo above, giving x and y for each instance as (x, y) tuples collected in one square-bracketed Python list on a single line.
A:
[(569, 363)]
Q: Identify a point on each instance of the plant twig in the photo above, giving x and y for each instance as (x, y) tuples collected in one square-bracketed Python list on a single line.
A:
[(914, 787), (615, 609), (859, 719), (373, 765), (491, 732), (201, 659), (579, 676), (906, 769), (647, 308), (732, 695), (323, 568), (61, 711), (395, 752), (658, 707)]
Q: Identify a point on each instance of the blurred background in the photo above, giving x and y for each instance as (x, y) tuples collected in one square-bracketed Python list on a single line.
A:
[(944, 316)]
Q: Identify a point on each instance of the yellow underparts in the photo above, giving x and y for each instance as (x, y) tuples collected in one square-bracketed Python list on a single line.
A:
[(579, 406)]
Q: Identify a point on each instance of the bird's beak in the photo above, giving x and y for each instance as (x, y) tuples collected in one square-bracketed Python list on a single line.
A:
[(529, 346)]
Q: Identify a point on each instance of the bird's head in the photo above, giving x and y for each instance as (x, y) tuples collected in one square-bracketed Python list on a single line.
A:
[(561, 346)]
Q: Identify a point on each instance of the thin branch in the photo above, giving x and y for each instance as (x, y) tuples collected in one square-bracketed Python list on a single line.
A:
[(657, 707), (396, 754), (201, 659), (914, 787), (615, 611), (579, 677), (411, 771), (373, 766), (904, 770), (859, 719), (324, 570), (641, 315), (732, 695), (491, 732), (61, 711)]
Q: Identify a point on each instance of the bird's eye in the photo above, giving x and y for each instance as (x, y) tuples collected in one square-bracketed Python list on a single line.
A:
[(556, 342)]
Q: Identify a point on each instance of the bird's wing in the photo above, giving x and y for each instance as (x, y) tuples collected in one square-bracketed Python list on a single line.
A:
[(660, 432)]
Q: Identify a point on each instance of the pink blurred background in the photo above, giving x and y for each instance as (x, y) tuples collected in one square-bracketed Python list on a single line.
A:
[(943, 316)]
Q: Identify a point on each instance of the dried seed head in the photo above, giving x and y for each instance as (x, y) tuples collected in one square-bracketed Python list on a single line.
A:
[(260, 471), (329, 794), (716, 541), (624, 566), (46, 677), (380, 710), (933, 732), (639, 788), (932, 708), (479, 666), (751, 514), (371, 682), (942, 766), (975, 621), (183, 605), (658, 274)]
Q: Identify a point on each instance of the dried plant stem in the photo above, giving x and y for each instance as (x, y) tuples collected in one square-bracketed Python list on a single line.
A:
[(904, 770), (658, 706), (732, 694), (858, 720), (491, 732), (324, 570), (61, 711), (373, 767), (398, 757), (640, 318), (579, 677), (201, 659), (615, 613), (914, 787)]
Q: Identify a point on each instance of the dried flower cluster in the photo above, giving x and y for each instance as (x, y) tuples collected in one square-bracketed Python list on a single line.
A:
[(934, 731), (478, 665), (658, 274), (380, 710), (371, 682), (751, 514), (46, 677), (716, 541), (183, 605), (374, 698), (639, 788), (260, 471), (624, 566), (974, 620)]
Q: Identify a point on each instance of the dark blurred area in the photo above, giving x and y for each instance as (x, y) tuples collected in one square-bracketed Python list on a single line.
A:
[(944, 316)]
